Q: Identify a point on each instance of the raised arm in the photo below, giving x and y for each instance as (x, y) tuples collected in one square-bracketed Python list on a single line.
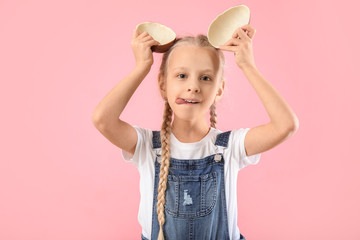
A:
[(283, 121), (106, 116)]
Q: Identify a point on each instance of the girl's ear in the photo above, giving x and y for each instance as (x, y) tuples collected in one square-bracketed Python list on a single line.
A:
[(220, 91), (162, 87)]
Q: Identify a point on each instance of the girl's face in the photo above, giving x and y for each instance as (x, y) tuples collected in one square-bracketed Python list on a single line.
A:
[(192, 75)]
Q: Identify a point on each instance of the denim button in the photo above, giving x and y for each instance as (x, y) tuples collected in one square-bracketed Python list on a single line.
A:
[(217, 157)]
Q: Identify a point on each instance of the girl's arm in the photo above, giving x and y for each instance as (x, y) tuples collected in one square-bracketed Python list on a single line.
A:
[(106, 116), (283, 121)]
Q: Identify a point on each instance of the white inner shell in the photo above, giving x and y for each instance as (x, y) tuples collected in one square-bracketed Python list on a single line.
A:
[(224, 25), (159, 32)]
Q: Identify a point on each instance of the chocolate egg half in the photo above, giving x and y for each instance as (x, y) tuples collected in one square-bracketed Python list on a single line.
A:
[(222, 28), (164, 35)]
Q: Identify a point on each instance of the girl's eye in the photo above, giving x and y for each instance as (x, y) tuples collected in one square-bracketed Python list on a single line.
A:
[(181, 75), (206, 78)]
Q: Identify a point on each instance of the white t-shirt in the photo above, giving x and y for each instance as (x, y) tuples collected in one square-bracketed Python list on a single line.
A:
[(144, 159)]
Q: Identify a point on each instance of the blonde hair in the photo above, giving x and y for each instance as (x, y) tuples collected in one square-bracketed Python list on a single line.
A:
[(200, 41)]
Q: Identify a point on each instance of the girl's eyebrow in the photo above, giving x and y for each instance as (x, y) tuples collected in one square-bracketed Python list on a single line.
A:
[(183, 68)]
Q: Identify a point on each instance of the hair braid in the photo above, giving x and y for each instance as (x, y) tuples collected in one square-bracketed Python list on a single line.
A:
[(164, 168), (213, 115), (200, 41)]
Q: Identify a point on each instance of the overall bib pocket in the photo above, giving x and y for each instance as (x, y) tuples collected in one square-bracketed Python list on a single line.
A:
[(182, 195)]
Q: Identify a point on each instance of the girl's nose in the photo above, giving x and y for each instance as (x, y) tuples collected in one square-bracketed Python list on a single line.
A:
[(193, 87)]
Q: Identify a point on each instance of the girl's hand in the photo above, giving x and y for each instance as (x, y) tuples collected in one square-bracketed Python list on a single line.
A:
[(241, 45), (141, 45)]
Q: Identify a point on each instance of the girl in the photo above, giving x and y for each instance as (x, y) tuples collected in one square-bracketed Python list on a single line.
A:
[(188, 170)]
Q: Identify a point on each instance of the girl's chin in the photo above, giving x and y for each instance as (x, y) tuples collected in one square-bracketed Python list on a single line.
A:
[(188, 115)]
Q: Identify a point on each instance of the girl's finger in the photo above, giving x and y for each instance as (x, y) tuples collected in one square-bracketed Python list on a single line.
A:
[(233, 42), (152, 42), (136, 33), (241, 33), (147, 38), (246, 31), (143, 35), (235, 34), (250, 31), (228, 48)]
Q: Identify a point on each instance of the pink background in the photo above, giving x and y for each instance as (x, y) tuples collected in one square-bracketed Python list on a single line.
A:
[(61, 179)]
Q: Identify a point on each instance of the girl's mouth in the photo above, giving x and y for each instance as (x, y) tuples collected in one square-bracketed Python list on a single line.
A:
[(185, 101)]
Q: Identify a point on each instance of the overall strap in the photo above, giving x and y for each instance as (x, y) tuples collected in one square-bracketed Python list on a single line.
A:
[(156, 141), (221, 143), (222, 139)]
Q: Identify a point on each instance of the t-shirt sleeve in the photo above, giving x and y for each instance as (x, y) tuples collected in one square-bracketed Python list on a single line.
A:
[(237, 141), (143, 137)]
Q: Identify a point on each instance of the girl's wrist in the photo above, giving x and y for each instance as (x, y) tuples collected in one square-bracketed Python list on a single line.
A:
[(247, 66), (143, 67)]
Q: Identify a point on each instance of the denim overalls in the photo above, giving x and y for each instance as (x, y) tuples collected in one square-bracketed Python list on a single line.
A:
[(195, 206)]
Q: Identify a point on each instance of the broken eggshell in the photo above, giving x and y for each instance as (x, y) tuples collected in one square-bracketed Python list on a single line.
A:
[(164, 35), (222, 28)]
